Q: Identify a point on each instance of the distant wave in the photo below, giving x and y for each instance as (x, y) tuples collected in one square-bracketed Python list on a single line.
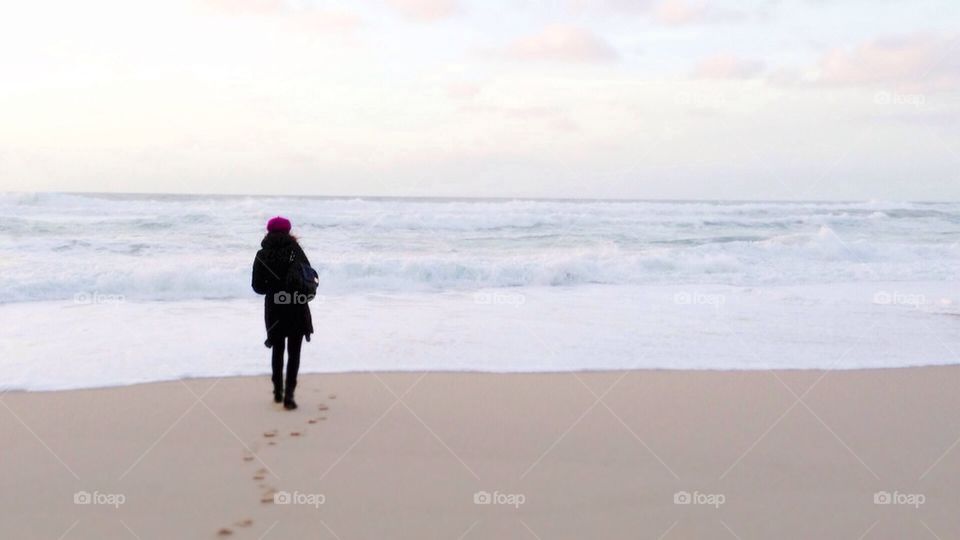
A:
[(55, 246)]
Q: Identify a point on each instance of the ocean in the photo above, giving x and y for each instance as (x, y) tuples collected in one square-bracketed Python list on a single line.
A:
[(103, 290)]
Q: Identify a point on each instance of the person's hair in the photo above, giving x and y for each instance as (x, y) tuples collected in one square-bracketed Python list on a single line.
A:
[(285, 233)]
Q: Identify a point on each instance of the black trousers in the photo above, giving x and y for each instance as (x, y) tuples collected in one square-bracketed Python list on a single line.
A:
[(293, 344)]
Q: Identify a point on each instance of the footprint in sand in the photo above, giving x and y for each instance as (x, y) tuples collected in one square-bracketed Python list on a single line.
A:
[(244, 523), (332, 396), (270, 434), (224, 532), (267, 497), (294, 433), (322, 407), (258, 477), (312, 421)]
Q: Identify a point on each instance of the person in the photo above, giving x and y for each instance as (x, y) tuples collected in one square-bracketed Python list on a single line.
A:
[(286, 314)]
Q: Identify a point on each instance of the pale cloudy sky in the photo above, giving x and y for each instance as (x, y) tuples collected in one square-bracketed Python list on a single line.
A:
[(756, 99)]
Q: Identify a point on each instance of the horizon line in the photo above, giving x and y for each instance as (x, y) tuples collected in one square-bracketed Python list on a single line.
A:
[(471, 197)]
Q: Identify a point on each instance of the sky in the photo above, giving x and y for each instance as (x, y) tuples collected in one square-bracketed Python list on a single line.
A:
[(650, 99)]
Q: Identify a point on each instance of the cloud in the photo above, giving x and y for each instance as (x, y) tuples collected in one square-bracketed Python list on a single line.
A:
[(680, 12), (426, 10), (728, 66), (562, 43), (916, 60)]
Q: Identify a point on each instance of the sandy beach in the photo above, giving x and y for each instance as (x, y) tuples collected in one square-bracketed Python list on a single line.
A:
[(639, 454)]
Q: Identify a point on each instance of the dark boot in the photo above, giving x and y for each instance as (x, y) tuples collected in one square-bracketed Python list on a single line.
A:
[(288, 402), (277, 392)]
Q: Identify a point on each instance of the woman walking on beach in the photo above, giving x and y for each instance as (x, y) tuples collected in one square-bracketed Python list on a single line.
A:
[(286, 313)]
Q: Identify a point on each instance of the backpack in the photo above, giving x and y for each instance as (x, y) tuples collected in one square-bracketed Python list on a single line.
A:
[(301, 278)]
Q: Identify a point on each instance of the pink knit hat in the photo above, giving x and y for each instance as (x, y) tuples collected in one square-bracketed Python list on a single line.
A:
[(278, 224)]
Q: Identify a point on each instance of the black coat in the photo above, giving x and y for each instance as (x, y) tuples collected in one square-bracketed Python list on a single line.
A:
[(269, 276)]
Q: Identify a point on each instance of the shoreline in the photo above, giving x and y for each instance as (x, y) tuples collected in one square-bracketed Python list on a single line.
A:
[(403, 455), (392, 373)]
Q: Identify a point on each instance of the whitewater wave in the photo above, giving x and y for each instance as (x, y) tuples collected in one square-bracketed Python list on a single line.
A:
[(55, 246)]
